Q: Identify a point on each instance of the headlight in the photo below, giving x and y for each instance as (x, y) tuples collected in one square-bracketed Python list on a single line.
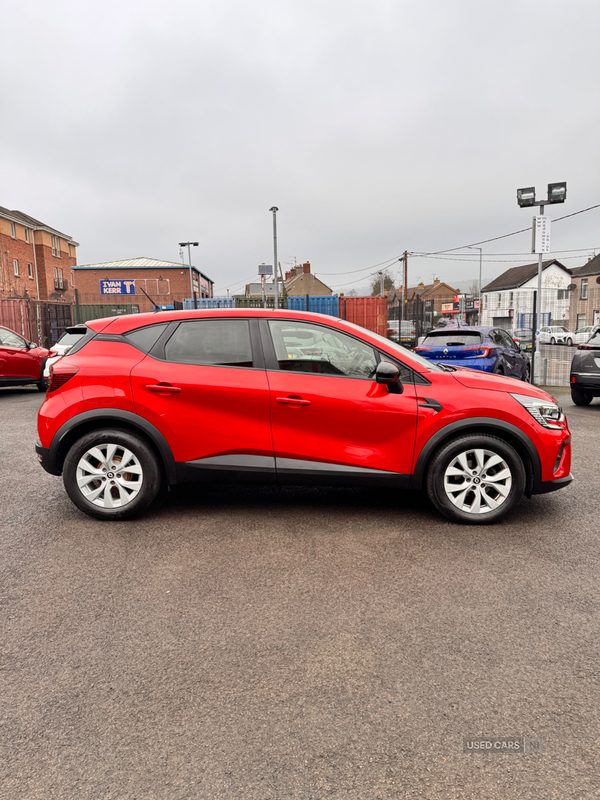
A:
[(545, 412)]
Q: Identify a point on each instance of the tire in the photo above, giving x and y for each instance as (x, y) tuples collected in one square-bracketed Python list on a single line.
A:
[(579, 397), (553, 340), (463, 459), (99, 453), (569, 342), (42, 384), (498, 369), (527, 374)]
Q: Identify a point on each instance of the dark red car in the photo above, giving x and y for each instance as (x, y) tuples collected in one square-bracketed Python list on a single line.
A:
[(21, 362), (288, 397)]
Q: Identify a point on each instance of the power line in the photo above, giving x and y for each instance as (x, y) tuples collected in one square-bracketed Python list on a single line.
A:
[(514, 233), (362, 269)]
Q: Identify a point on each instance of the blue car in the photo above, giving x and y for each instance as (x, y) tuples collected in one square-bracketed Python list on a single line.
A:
[(487, 349)]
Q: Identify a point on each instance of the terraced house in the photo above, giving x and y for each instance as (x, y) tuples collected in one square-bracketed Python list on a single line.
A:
[(35, 259)]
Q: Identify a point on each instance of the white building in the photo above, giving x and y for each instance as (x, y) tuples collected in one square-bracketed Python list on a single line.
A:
[(508, 299)]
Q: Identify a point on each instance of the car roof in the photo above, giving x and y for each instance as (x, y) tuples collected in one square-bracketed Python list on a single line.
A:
[(485, 329)]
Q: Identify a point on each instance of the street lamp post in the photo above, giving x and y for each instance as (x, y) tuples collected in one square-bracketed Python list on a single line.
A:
[(189, 245), (471, 247), (557, 193), (274, 209)]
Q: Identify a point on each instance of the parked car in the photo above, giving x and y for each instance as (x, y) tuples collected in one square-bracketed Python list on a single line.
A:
[(291, 398), (556, 334), (483, 348), (21, 362), (523, 338), (402, 331), (70, 337), (585, 372), (582, 335)]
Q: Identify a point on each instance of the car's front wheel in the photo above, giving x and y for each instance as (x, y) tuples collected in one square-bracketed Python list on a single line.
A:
[(476, 479), (569, 342), (111, 474), (579, 397)]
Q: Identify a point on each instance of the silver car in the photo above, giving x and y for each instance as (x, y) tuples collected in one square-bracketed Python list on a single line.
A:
[(585, 372), (556, 334)]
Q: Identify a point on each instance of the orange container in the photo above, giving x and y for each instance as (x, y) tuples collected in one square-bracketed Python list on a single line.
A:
[(368, 312)]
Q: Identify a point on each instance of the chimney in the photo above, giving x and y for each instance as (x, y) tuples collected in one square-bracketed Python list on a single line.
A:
[(421, 286), (306, 266), (288, 275), (436, 281)]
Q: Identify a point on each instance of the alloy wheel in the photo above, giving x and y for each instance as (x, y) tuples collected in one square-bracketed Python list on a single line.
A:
[(109, 475), (477, 481)]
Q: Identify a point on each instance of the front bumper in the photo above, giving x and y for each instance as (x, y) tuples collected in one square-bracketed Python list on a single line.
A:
[(553, 486)]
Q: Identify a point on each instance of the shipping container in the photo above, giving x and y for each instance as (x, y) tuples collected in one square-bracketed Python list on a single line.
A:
[(319, 304), (368, 312), (84, 312), (209, 302)]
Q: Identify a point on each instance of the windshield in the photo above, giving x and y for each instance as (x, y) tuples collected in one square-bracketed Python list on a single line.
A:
[(452, 338), (408, 355)]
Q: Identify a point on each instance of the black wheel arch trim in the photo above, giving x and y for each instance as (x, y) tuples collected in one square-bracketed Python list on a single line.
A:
[(483, 425), (111, 416)]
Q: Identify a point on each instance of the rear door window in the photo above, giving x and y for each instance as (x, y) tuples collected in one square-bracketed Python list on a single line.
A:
[(453, 339), (211, 342), (10, 339)]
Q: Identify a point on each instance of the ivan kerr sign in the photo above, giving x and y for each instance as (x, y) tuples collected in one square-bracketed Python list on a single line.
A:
[(117, 287)]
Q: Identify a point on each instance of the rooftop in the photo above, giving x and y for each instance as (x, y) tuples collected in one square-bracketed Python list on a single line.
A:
[(31, 222)]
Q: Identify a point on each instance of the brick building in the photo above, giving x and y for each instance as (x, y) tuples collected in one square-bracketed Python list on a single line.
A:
[(166, 282), (35, 259), (584, 307)]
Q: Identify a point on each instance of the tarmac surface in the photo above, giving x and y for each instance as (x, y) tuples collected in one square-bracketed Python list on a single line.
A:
[(274, 644)]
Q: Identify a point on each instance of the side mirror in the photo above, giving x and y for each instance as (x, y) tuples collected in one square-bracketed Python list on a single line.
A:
[(31, 345), (389, 374)]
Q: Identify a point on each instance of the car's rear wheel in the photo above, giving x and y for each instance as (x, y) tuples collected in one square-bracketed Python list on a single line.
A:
[(527, 374), (569, 342), (553, 340), (579, 397), (476, 479), (111, 474)]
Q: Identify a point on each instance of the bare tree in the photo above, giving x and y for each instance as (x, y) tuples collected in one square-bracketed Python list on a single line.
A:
[(388, 284)]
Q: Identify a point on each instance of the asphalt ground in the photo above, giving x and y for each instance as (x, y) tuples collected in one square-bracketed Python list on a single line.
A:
[(274, 644)]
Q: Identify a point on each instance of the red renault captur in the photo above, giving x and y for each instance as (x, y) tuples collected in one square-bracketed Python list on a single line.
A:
[(147, 400)]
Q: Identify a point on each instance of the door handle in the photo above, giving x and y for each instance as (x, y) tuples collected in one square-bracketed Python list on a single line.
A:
[(431, 403), (163, 387), (293, 401)]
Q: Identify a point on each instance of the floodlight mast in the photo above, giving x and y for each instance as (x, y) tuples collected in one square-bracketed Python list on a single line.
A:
[(189, 245), (557, 193)]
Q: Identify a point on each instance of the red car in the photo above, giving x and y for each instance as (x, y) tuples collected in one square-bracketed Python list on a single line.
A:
[(288, 397), (21, 362)]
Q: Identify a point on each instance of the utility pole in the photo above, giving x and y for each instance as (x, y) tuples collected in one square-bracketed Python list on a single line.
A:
[(274, 209)]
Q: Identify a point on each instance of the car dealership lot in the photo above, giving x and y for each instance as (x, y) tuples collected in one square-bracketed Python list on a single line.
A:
[(248, 642)]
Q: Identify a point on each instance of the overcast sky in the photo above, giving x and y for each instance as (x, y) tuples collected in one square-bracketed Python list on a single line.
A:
[(375, 127)]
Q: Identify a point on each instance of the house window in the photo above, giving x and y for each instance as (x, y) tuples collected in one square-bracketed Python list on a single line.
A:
[(510, 300), (60, 279), (485, 301), (72, 281), (580, 321), (55, 278), (583, 290), (56, 246), (13, 231), (30, 270), (15, 266), (499, 300), (563, 294), (26, 234)]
